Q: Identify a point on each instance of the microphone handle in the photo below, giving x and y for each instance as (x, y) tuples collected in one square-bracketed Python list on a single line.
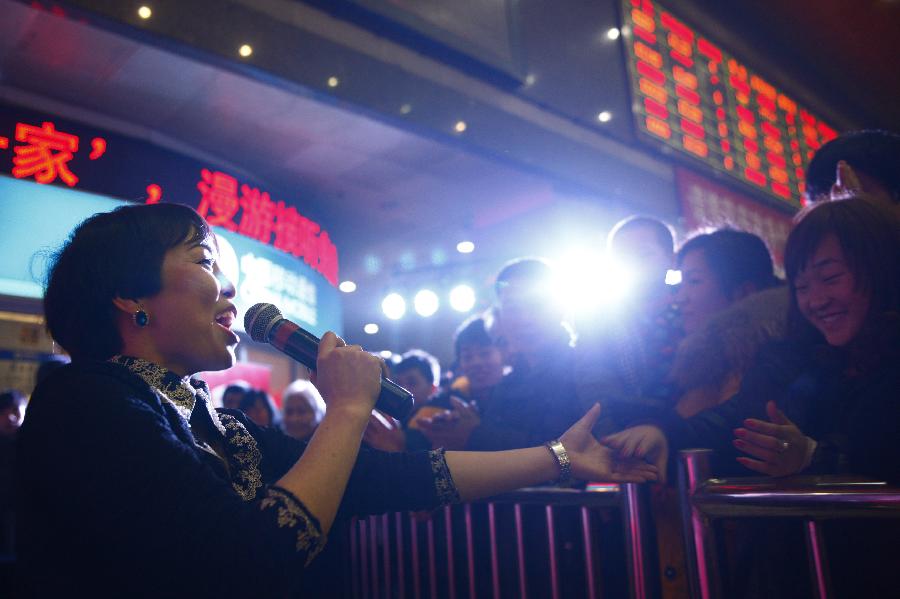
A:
[(303, 346)]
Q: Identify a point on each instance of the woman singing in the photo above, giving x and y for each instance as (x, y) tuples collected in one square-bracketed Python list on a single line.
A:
[(131, 484)]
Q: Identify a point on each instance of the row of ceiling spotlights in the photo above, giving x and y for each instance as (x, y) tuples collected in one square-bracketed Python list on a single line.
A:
[(426, 302)]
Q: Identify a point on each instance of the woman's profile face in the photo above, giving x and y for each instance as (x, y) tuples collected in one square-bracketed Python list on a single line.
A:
[(191, 315), (827, 294), (700, 296)]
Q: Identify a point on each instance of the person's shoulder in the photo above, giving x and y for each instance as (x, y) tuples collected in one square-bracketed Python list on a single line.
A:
[(90, 388)]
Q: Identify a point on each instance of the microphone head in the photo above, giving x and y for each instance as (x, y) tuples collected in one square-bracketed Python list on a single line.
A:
[(259, 319)]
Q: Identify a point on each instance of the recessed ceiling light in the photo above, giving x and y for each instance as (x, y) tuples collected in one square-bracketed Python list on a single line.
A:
[(245, 50)]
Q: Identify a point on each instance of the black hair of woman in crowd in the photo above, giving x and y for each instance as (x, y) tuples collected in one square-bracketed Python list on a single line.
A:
[(132, 484)]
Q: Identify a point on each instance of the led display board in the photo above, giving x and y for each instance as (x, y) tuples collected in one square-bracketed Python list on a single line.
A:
[(692, 95)]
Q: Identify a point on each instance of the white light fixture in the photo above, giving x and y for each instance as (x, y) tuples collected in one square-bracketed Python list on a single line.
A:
[(604, 116), (333, 82), (613, 33), (465, 247), (347, 286), (371, 328), (245, 50), (460, 126), (462, 298), (144, 12), (426, 302), (393, 306), (386, 354)]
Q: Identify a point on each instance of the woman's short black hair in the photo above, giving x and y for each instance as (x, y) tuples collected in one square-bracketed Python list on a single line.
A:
[(117, 253), (734, 257), (869, 235)]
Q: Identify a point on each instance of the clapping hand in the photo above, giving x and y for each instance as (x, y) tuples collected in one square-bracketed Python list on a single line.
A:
[(593, 461), (780, 447)]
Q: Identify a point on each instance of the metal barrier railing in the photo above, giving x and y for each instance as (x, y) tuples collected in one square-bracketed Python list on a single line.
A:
[(809, 498), (509, 546)]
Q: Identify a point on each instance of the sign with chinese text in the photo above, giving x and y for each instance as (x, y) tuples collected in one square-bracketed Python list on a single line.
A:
[(43, 149), (36, 219), (690, 94), (705, 204)]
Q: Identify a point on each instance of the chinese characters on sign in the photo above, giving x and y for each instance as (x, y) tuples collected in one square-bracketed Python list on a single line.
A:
[(266, 220), (44, 153), (692, 95)]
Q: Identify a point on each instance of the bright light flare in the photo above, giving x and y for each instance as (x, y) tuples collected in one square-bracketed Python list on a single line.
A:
[(589, 282), (393, 306), (462, 298), (371, 328), (613, 33), (426, 302), (347, 286), (245, 50), (145, 12)]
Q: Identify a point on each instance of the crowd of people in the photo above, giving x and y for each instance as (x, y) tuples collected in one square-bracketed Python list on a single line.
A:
[(780, 377)]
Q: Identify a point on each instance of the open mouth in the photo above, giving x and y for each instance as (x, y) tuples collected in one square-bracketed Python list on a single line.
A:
[(226, 318)]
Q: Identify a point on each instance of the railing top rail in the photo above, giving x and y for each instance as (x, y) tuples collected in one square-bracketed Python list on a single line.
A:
[(593, 496), (809, 496)]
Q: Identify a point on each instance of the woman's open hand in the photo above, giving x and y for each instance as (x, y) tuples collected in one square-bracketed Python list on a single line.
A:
[(645, 442), (781, 448), (592, 461)]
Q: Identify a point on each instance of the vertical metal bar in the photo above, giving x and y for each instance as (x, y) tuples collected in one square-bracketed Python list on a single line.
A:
[(386, 543), (451, 573), (588, 552), (495, 558), (432, 566), (470, 551), (551, 538), (363, 554), (354, 558), (818, 560), (414, 538), (373, 554), (401, 578), (700, 549), (520, 551), (633, 522)]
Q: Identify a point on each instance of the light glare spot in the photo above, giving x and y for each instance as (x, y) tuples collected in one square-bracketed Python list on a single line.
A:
[(245, 50), (462, 298), (465, 247), (371, 328), (426, 302), (347, 286), (394, 306)]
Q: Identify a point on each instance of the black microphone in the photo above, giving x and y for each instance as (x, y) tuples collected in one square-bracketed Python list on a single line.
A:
[(265, 324)]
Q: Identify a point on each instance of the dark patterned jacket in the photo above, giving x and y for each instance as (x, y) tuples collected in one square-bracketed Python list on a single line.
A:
[(121, 493)]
